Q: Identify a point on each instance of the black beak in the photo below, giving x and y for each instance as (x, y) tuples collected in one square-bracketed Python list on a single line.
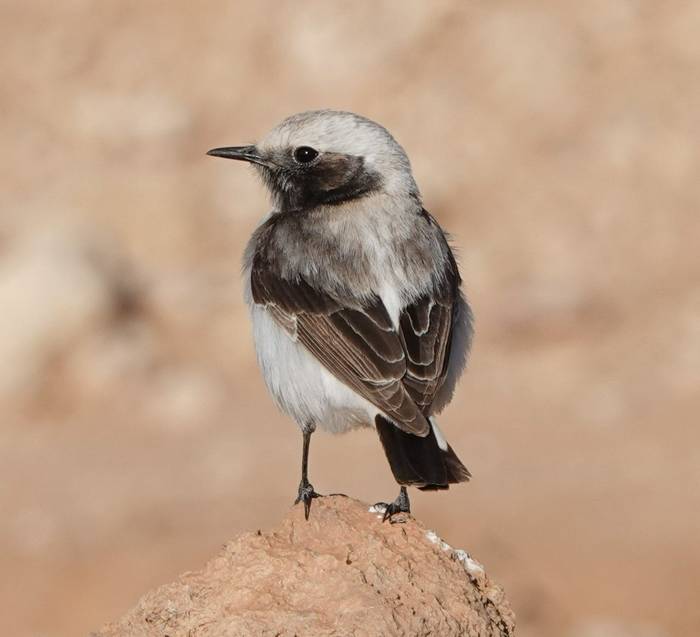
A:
[(242, 153)]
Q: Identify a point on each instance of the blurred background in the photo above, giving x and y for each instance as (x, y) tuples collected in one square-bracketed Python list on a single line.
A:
[(556, 141)]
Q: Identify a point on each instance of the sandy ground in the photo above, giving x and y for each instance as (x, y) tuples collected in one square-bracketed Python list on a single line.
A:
[(556, 141)]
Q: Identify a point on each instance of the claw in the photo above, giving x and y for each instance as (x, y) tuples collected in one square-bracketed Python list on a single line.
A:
[(400, 505), (306, 495)]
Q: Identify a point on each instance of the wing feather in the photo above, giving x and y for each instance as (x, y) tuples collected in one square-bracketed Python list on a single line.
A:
[(425, 328)]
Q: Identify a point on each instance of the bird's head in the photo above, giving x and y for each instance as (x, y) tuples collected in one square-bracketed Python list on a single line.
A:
[(327, 157)]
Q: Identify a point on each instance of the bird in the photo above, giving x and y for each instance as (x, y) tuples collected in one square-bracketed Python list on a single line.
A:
[(355, 295)]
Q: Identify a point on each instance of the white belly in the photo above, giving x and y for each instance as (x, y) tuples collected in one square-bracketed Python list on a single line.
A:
[(300, 385)]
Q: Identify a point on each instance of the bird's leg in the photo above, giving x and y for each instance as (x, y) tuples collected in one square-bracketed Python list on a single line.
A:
[(306, 490), (400, 505)]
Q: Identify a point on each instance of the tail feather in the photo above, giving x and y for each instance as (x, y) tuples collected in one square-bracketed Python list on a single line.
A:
[(419, 461)]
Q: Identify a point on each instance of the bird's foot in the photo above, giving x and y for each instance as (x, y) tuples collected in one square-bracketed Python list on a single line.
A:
[(306, 494), (400, 505)]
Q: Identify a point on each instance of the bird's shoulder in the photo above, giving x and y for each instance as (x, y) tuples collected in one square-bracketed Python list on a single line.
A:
[(295, 271), (357, 244)]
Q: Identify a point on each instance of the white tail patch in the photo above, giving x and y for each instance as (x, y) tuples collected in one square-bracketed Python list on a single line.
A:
[(442, 443)]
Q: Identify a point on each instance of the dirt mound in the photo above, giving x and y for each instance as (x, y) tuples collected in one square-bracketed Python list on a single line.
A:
[(343, 572)]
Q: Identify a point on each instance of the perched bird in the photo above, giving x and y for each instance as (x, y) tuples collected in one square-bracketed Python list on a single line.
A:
[(354, 294)]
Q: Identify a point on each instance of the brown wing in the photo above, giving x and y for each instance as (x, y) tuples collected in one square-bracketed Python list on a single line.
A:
[(357, 344), (425, 329)]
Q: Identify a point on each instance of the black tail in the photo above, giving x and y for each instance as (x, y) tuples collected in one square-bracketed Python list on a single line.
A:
[(419, 461)]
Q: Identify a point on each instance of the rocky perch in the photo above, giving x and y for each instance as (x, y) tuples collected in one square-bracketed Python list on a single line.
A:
[(342, 573)]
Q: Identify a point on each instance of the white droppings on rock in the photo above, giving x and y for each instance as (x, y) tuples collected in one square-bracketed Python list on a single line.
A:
[(470, 565), (431, 536), (436, 539), (379, 509)]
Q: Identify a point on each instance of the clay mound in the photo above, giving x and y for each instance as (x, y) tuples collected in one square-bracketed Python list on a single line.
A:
[(342, 573)]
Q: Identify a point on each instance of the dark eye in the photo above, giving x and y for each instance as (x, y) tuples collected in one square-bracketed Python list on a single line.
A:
[(305, 154)]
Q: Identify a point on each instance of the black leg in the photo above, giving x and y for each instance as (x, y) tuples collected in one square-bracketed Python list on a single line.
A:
[(306, 490), (400, 505)]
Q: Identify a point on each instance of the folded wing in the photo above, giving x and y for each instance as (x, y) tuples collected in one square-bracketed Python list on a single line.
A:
[(358, 344), (398, 371)]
